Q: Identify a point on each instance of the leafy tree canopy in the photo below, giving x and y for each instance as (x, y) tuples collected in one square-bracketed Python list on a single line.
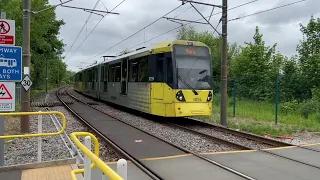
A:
[(46, 47)]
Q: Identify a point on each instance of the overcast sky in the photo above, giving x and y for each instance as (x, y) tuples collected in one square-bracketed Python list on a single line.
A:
[(278, 26)]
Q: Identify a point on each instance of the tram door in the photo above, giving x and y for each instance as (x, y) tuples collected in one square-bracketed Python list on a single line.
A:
[(124, 76)]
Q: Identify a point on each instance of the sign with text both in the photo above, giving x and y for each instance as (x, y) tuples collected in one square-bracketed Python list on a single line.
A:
[(10, 63), (7, 32), (7, 96)]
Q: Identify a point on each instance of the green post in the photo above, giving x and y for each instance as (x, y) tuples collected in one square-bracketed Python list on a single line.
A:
[(234, 96), (277, 98)]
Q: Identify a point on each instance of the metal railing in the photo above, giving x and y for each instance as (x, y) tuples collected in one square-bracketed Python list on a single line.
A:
[(64, 124), (96, 161)]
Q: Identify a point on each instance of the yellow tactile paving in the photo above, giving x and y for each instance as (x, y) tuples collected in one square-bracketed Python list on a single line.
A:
[(48, 173)]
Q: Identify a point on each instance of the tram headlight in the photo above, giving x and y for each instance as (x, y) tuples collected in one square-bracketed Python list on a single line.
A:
[(209, 98), (180, 96)]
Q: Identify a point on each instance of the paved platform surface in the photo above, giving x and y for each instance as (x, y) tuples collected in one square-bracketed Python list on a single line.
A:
[(306, 156), (295, 164), (124, 135), (186, 167), (46, 173), (133, 172)]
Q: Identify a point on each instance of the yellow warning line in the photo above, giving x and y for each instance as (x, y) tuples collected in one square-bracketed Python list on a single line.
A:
[(157, 158), (225, 152), (166, 157), (277, 148), (311, 144), (228, 152)]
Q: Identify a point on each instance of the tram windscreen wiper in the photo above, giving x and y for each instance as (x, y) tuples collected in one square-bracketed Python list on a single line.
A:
[(188, 85)]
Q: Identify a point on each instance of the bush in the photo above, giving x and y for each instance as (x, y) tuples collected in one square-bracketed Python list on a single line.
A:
[(309, 107), (317, 117), (217, 99), (316, 94), (289, 107)]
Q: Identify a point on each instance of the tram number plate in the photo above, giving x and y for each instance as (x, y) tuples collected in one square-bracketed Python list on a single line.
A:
[(196, 99)]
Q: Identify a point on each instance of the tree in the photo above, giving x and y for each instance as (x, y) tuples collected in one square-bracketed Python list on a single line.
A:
[(256, 68), (45, 44), (290, 82), (214, 43), (309, 55)]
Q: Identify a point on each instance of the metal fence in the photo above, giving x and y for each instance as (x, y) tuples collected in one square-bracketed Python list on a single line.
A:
[(270, 99)]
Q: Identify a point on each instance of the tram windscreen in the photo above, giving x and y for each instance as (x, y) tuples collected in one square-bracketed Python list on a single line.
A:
[(193, 67)]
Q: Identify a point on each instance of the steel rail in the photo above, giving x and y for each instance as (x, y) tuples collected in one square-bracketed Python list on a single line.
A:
[(247, 135), (222, 141), (182, 149), (65, 138), (239, 133), (107, 140)]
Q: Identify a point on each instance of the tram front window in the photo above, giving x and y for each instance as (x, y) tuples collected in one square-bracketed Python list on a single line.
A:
[(193, 73)]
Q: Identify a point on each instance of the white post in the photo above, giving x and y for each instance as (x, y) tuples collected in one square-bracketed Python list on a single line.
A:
[(39, 138), (122, 168), (87, 161), (104, 177)]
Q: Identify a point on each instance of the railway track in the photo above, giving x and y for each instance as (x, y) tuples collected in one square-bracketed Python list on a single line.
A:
[(259, 143), (250, 141), (131, 157)]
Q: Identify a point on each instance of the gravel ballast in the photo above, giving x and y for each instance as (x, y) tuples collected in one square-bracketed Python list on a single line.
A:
[(75, 125), (25, 150), (177, 136), (230, 137)]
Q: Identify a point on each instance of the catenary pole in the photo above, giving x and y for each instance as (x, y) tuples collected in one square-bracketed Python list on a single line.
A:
[(224, 95), (3, 16), (26, 60)]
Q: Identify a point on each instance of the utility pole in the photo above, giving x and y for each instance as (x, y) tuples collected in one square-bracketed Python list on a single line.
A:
[(26, 56), (46, 76), (224, 95), (3, 16)]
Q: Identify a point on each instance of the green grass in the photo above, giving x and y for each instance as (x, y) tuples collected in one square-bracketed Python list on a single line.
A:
[(259, 118)]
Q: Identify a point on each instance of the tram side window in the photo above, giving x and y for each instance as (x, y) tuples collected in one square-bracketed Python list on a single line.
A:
[(118, 72), (106, 73), (143, 70), (96, 74), (159, 71), (90, 78), (80, 77), (133, 71), (111, 73), (169, 72), (102, 73), (105, 78)]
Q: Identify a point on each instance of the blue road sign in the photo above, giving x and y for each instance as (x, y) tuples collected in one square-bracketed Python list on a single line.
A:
[(11, 63)]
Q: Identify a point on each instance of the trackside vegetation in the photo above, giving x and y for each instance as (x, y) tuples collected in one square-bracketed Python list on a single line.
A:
[(255, 72)]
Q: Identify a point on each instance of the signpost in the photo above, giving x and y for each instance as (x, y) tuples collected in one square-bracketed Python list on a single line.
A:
[(10, 72), (7, 96), (7, 32), (10, 63), (26, 82)]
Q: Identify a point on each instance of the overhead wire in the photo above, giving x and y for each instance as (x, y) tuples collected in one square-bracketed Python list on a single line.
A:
[(228, 20), (96, 26), (136, 32), (238, 6), (84, 25), (201, 19), (259, 12)]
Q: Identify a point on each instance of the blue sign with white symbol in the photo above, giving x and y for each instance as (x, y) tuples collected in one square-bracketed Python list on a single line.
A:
[(10, 63)]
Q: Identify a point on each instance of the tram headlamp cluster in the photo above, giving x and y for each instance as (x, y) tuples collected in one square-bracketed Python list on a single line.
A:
[(180, 96), (209, 98)]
